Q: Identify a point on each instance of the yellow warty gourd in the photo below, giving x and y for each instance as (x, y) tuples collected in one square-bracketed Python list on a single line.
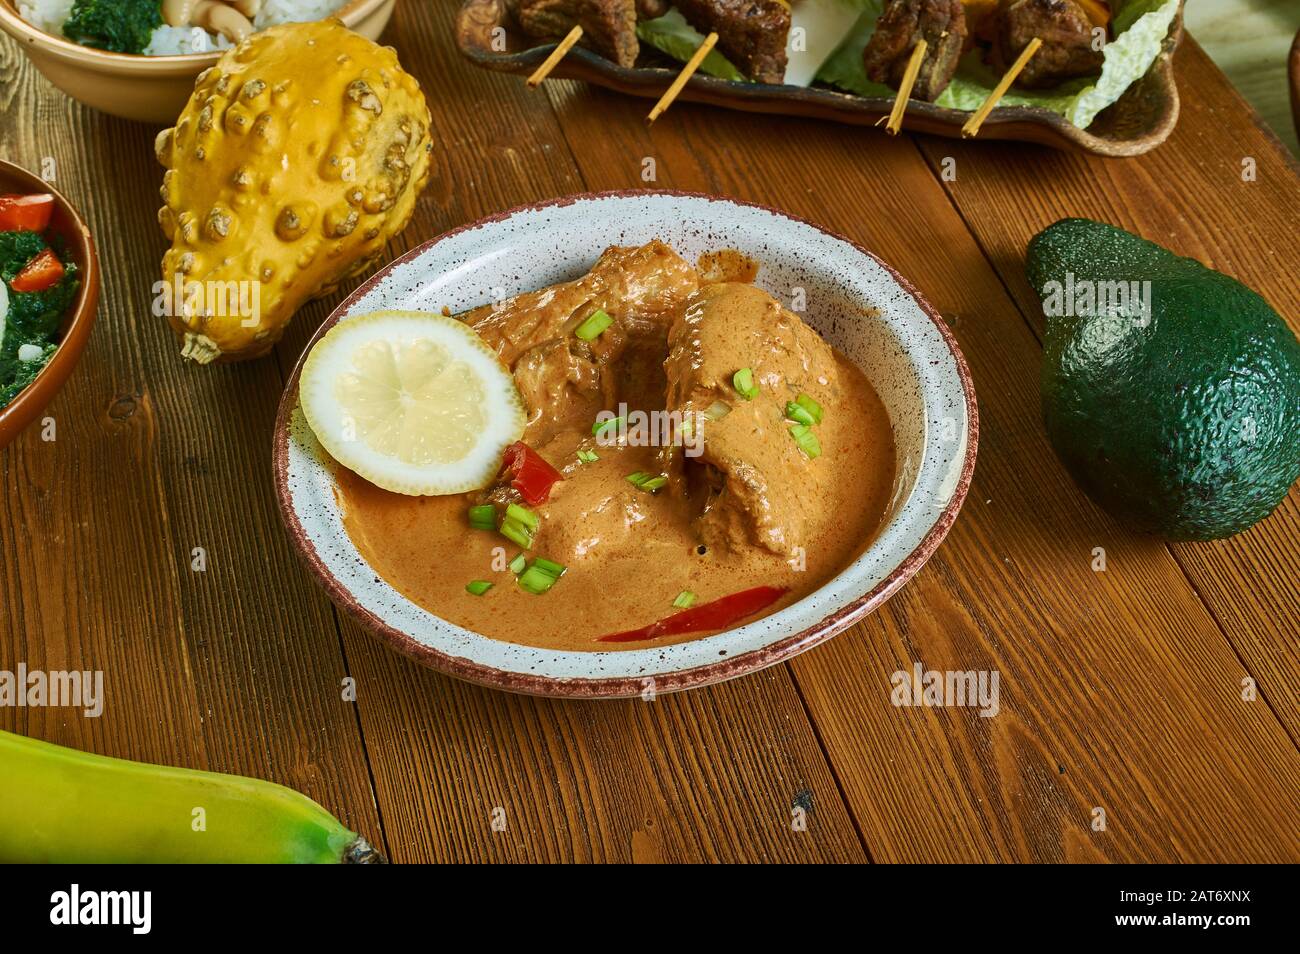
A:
[(299, 155)]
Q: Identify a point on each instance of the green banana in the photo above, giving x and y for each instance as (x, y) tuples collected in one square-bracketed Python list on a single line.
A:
[(61, 805)]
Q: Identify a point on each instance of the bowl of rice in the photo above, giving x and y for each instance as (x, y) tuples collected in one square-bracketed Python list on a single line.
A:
[(76, 43)]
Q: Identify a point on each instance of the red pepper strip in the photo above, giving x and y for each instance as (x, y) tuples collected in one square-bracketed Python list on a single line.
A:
[(719, 614), (25, 213), (38, 274), (528, 473)]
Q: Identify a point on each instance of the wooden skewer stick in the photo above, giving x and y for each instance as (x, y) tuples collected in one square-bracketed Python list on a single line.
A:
[(973, 124), (905, 89), (687, 72), (553, 60)]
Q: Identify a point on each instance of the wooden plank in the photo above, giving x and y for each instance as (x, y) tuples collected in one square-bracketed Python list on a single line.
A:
[(237, 668), (1119, 690), (711, 775), (1208, 210)]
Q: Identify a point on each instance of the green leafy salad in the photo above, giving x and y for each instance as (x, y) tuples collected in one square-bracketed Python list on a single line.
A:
[(37, 286)]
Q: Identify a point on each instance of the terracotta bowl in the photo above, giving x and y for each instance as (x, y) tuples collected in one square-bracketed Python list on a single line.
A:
[(74, 331), (856, 301), (148, 88)]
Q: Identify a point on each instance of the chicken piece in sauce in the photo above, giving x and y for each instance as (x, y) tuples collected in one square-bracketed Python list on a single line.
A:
[(609, 26), (941, 23), (562, 378), (752, 485)]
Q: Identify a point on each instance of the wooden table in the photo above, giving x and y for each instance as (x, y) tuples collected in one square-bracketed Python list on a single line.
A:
[(1121, 689)]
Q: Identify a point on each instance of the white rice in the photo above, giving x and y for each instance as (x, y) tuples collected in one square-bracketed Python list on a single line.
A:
[(169, 40), (50, 15), (47, 15)]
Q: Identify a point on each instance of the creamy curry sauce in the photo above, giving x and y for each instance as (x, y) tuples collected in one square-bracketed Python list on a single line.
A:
[(752, 509)]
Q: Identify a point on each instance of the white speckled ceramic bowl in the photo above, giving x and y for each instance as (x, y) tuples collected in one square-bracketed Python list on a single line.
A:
[(854, 300)]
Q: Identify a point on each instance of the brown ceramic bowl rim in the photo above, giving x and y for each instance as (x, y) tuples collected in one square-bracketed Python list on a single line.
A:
[(12, 22), (622, 686), (76, 324)]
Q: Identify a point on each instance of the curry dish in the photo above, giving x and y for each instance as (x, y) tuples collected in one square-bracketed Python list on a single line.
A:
[(764, 471)]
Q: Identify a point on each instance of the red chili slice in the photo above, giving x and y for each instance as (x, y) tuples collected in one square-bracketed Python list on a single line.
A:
[(39, 274), (528, 473), (25, 213), (719, 614)]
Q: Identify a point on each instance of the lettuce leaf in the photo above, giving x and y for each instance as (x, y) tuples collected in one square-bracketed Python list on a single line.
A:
[(1140, 27), (671, 34), (845, 68)]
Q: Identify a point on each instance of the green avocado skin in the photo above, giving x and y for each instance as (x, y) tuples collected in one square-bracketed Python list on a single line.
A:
[(1184, 422)]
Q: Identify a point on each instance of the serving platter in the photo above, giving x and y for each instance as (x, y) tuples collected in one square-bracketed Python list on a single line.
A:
[(1139, 121), (854, 300)]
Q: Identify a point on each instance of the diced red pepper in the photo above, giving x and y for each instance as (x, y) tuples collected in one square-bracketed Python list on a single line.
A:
[(25, 213), (528, 473), (718, 614), (39, 274)]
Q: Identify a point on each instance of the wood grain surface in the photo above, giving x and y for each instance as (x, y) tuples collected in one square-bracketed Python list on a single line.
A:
[(1120, 690)]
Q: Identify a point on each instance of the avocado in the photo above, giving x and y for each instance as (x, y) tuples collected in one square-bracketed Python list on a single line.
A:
[(1171, 392)]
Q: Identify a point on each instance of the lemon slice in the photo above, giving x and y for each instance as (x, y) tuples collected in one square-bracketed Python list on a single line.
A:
[(412, 401)]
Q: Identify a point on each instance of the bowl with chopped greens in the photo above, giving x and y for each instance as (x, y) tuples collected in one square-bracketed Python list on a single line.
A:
[(138, 58), (49, 286)]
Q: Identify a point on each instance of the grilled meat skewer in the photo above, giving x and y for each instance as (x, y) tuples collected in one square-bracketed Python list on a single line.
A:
[(950, 26), (941, 23), (1067, 35), (609, 26), (751, 33)]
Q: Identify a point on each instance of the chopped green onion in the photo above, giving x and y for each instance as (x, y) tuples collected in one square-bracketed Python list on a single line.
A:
[(536, 581), (743, 380), (644, 481), (600, 427), (524, 516), (518, 564), (478, 587), (516, 532), (588, 456), (595, 323), (797, 412), (806, 439), (811, 406), (550, 568), (718, 410), (685, 600), (483, 517)]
